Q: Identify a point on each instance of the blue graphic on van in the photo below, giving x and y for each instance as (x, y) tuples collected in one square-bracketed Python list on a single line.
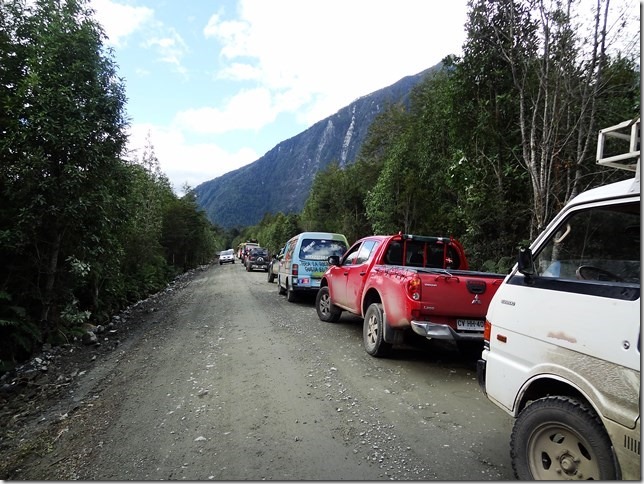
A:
[(315, 268)]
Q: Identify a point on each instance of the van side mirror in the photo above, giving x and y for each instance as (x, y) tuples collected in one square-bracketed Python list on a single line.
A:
[(525, 262), (334, 260)]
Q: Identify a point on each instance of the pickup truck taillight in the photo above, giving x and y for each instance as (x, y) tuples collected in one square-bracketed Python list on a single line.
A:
[(413, 287), (294, 270)]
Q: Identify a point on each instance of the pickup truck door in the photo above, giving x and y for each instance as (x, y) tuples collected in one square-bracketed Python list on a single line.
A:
[(355, 268)]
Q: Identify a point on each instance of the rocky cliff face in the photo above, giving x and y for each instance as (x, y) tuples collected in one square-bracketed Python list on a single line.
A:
[(280, 180)]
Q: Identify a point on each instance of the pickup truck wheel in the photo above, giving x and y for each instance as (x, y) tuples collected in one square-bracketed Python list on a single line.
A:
[(373, 332), (327, 311), (280, 289), (559, 438)]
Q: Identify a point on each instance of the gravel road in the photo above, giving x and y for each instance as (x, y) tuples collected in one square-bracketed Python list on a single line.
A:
[(223, 379)]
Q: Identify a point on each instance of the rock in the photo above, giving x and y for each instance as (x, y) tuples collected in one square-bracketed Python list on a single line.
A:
[(89, 338)]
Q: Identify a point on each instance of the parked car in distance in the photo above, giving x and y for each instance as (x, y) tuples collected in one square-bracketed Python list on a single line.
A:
[(274, 265), (227, 256), (257, 258), (244, 249), (305, 260)]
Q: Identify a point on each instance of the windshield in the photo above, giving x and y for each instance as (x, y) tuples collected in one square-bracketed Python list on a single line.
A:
[(321, 249), (227, 252)]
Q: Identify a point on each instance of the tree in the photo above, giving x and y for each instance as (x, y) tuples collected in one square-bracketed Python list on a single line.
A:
[(187, 236), (63, 136), (558, 78)]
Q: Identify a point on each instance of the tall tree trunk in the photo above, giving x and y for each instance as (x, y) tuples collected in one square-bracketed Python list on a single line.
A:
[(48, 294)]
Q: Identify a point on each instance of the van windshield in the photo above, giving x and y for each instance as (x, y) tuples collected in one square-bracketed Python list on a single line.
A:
[(321, 249)]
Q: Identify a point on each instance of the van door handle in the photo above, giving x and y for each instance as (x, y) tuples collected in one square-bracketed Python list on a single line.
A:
[(362, 273), (346, 273)]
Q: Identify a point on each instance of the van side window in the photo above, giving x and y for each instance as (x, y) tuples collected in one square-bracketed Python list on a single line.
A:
[(321, 249), (597, 244)]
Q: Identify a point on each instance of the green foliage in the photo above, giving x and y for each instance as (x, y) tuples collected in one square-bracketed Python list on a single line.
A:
[(82, 232), (187, 237), (274, 230), (18, 334)]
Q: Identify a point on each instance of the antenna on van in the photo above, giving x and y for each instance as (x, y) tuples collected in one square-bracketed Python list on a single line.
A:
[(609, 138)]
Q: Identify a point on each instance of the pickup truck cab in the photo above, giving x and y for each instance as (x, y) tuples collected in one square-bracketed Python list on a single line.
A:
[(562, 337), (400, 283)]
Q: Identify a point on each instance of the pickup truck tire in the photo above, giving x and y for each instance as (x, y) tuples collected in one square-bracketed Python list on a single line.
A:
[(327, 311), (271, 276), (373, 332), (280, 289), (559, 438)]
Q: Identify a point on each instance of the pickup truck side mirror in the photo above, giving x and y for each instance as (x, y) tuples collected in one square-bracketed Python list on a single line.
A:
[(334, 260), (525, 262)]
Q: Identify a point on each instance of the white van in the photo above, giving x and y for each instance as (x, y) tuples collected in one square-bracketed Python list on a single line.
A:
[(562, 336), (304, 259)]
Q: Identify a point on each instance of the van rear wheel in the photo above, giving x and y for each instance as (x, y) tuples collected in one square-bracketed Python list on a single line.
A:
[(559, 438), (290, 293), (280, 289)]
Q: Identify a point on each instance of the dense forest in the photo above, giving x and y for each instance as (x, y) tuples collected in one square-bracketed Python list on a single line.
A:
[(488, 150), (83, 232)]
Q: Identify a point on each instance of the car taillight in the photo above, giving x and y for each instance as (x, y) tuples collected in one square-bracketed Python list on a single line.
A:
[(487, 331), (294, 270), (413, 287)]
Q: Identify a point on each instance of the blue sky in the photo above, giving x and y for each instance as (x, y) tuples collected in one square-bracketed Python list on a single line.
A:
[(215, 84)]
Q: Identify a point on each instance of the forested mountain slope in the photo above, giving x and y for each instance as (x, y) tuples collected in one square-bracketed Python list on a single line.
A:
[(280, 180)]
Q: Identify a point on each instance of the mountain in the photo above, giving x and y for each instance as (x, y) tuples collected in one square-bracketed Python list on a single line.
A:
[(280, 180)]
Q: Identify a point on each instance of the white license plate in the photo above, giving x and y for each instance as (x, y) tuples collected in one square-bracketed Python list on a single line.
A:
[(470, 324)]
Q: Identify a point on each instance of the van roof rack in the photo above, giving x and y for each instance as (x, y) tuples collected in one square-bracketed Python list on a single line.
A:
[(628, 131)]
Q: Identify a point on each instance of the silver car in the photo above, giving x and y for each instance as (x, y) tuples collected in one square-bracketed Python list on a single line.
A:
[(227, 256)]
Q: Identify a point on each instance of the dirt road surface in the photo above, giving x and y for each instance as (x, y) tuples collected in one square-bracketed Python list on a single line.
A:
[(222, 379)]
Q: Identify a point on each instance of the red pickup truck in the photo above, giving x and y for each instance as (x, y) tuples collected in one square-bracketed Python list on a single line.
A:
[(398, 283)]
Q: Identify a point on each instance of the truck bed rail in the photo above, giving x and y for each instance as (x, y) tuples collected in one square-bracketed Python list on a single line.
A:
[(611, 140)]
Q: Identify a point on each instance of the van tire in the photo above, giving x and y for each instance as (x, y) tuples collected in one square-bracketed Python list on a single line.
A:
[(373, 332), (557, 438), (290, 293), (327, 311)]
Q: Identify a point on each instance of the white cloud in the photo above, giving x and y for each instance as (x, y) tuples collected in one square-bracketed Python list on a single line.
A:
[(249, 109), (171, 48), (120, 21), (184, 162), (333, 51)]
